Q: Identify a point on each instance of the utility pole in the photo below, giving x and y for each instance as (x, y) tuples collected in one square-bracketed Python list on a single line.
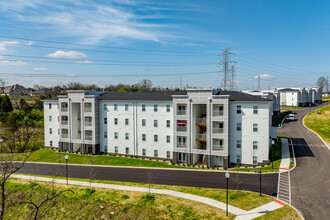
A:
[(225, 68)]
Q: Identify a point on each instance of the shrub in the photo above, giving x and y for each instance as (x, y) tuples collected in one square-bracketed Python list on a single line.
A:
[(225, 168), (142, 158), (125, 155), (157, 160), (245, 166), (193, 165), (150, 159), (212, 166), (203, 166), (254, 166), (125, 196), (262, 165), (171, 161), (207, 167), (268, 163), (148, 198), (237, 165), (164, 160)]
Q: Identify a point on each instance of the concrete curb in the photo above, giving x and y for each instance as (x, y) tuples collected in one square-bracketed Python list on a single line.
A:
[(283, 121), (293, 155), (299, 213), (154, 168), (303, 123)]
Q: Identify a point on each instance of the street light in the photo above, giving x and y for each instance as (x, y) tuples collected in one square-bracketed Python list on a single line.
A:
[(271, 149), (1, 140), (66, 166), (227, 175), (260, 181)]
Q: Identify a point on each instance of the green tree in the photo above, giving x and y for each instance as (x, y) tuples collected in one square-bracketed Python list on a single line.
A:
[(6, 105)]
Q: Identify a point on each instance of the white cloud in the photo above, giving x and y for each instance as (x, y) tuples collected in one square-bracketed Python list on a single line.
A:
[(13, 63), (85, 62), (67, 55), (264, 76), (40, 69)]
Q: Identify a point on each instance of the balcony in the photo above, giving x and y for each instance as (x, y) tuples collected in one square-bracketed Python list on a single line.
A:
[(217, 147), (88, 109), (64, 122), (64, 109), (88, 123), (217, 113), (201, 137), (65, 135), (181, 128), (201, 121), (181, 144), (88, 138), (217, 130), (181, 112)]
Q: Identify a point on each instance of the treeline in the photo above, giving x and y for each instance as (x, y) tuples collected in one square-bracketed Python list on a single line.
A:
[(20, 127), (144, 85)]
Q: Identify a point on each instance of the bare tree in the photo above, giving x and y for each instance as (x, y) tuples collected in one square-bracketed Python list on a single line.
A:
[(322, 83), (42, 202), (91, 174), (9, 164), (151, 178)]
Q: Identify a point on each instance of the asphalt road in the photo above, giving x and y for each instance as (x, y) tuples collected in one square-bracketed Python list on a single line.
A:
[(310, 180), (160, 176)]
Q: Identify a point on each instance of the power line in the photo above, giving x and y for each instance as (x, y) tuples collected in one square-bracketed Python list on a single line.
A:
[(110, 47)]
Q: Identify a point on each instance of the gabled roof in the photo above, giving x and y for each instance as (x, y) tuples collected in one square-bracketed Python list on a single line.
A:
[(147, 96), (240, 96), (13, 88)]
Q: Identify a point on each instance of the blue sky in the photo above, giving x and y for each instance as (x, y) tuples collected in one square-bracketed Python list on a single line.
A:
[(124, 41)]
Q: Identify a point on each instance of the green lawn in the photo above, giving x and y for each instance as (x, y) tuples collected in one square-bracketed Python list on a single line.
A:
[(96, 203), (284, 213), (46, 155), (292, 107), (320, 123)]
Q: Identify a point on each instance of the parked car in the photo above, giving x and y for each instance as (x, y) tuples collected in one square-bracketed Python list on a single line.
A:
[(291, 117)]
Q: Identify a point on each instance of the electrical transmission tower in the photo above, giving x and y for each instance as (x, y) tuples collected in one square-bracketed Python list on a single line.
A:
[(226, 77), (259, 87), (232, 86)]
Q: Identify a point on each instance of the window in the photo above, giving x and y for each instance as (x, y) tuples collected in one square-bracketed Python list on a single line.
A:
[(105, 148), (126, 150), (143, 122), (155, 123), (182, 157), (105, 121), (168, 123), (105, 134), (50, 105), (144, 152), (155, 153), (238, 127), (238, 143), (116, 149), (126, 121), (50, 131), (126, 136), (239, 109), (155, 138), (143, 137), (105, 106), (168, 108), (51, 143), (126, 107), (155, 108), (50, 118), (58, 118), (116, 135), (115, 107), (168, 139), (255, 109), (115, 121), (255, 127), (255, 144), (238, 158), (255, 160), (143, 108), (168, 154)]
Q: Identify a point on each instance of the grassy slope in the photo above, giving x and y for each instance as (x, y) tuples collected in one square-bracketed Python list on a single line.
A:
[(86, 203), (45, 155), (284, 213), (241, 199), (320, 123)]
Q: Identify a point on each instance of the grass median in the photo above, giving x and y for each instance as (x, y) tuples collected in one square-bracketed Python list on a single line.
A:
[(319, 121)]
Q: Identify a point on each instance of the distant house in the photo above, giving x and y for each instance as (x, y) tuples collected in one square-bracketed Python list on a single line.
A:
[(326, 94), (15, 90), (41, 92)]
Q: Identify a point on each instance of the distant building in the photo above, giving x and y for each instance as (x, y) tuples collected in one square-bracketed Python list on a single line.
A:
[(41, 92), (326, 94), (197, 126), (15, 90)]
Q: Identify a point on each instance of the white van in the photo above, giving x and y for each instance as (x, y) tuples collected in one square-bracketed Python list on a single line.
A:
[(291, 117)]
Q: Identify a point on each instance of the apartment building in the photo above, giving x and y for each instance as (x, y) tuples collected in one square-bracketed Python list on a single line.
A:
[(300, 96), (197, 126), (269, 94)]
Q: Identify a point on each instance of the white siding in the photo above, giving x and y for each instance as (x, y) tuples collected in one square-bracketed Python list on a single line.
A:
[(54, 124)]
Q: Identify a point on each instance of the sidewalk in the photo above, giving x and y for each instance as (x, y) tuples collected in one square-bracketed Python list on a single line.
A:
[(240, 213), (285, 162)]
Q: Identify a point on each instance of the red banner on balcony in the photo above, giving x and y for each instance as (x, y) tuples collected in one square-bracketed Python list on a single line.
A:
[(182, 123)]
